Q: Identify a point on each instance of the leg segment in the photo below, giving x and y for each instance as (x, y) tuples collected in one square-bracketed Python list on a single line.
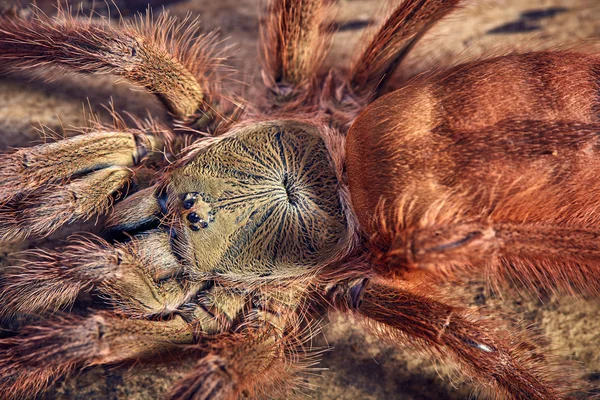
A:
[(138, 210), (403, 28), (210, 380), (163, 57), (47, 186), (254, 363), (294, 45), (538, 256), (138, 278), (508, 363), (42, 353), (28, 168), (45, 211)]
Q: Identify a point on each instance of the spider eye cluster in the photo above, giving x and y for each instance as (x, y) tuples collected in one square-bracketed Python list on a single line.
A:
[(198, 213), (263, 201)]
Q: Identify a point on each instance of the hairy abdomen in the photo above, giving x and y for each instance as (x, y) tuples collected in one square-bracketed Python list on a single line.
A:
[(512, 138)]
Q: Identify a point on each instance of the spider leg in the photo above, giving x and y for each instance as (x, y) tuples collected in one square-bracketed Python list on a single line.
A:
[(138, 278), (210, 380), (40, 354), (46, 210), (228, 369), (294, 45), (28, 168), (139, 209), (49, 185), (538, 256), (257, 361), (394, 40), (164, 57), (501, 360)]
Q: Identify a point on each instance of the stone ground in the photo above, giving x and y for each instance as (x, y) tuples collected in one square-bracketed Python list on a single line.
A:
[(359, 367)]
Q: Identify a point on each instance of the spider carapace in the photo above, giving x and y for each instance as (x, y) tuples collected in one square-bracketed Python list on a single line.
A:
[(230, 230)]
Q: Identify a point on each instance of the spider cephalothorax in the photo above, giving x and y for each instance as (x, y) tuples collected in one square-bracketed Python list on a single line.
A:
[(324, 195), (262, 201)]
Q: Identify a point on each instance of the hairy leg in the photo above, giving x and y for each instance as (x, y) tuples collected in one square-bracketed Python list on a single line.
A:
[(503, 360), (255, 362), (345, 96), (46, 210), (294, 45), (42, 353), (168, 59), (538, 256), (394, 39), (140, 209), (140, 278), (49, 185)]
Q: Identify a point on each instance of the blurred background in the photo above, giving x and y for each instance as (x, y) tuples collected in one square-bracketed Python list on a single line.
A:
[(358, 367)]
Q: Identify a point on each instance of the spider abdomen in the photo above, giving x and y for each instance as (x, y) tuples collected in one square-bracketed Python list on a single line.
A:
[(486, 129)]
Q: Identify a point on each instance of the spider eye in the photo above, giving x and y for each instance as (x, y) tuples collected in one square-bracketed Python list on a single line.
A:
[(264, 201), (189, 200)]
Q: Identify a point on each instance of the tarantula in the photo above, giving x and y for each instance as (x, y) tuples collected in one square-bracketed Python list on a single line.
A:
[(231, 230)]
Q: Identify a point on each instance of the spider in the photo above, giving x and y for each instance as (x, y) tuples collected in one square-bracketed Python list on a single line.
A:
[(232, 229)]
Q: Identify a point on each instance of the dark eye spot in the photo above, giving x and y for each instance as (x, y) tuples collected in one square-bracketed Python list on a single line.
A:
[(194, 228), (203, 224), (193, 217), (133, 51), (189, 199), (188, 204)]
